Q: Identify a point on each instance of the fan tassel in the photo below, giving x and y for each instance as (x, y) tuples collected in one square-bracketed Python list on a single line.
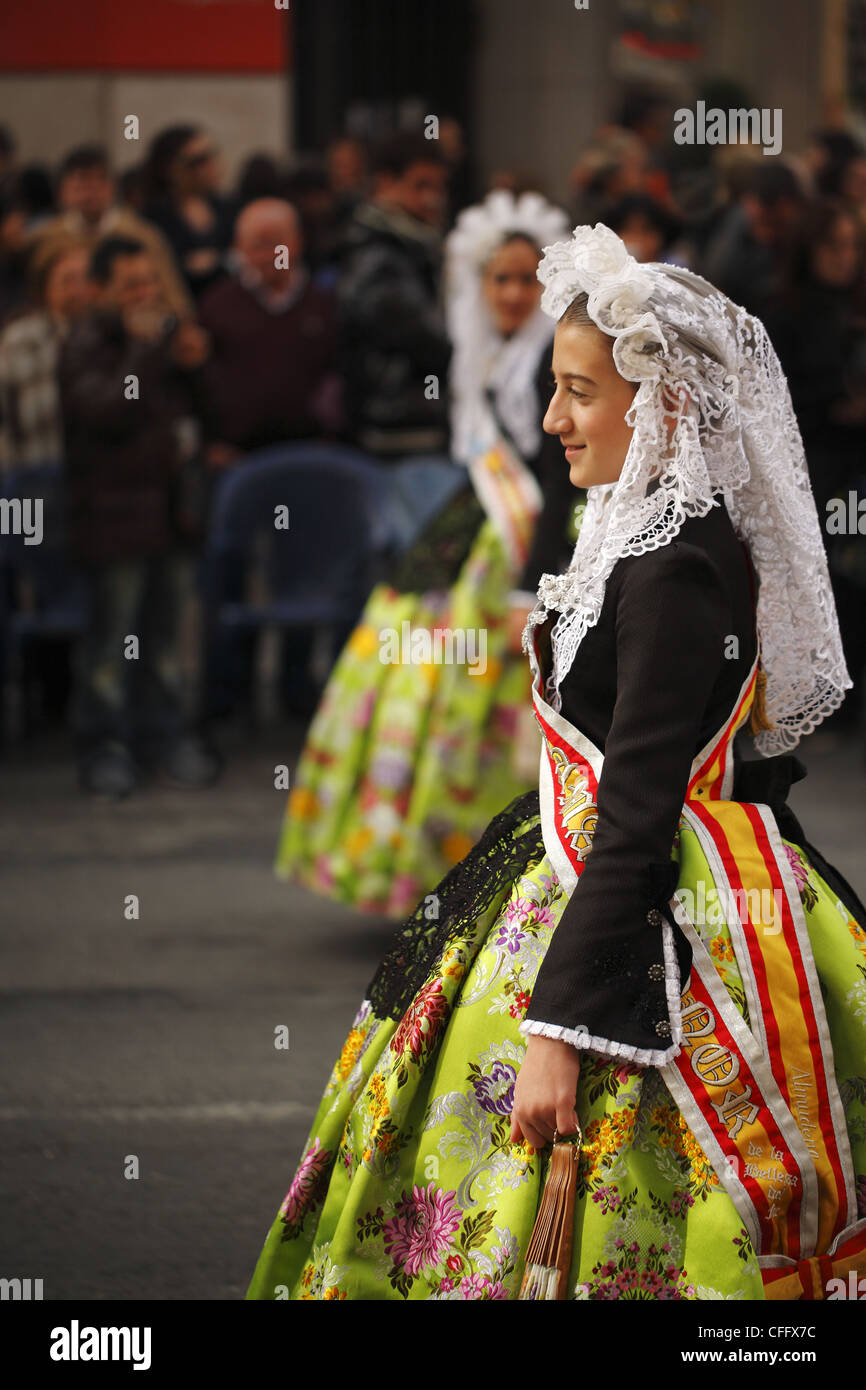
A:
[(548, 1255), (759, 722)]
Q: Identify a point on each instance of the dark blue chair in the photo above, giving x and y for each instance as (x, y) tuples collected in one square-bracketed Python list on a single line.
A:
[(55, 591), (319, 570), (317, 573)]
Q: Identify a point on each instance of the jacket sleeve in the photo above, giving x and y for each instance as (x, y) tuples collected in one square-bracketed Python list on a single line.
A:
[(93, 377), (389, 308), (613, 974)]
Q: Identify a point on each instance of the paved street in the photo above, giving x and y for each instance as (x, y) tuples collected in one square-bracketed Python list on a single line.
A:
[(155, 1037)]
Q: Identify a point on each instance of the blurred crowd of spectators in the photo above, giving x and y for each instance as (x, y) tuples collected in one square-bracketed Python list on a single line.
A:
[(305, 304)]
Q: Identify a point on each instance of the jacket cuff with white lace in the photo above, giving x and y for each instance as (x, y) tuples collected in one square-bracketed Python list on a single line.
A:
[(581, 1038)]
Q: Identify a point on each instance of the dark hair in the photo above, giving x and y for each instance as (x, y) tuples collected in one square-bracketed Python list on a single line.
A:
[(642, 205), (772, 183), (399, 152), (163, 151), (508, 237), (260, 177), (640, 103), (577, 316), (112, 249), (840, 149), (32, 191), (819, 221), (8, 143), (307, 176), (131, 186), (83, 157)]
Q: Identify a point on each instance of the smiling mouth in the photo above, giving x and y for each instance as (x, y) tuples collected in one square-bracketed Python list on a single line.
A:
[(573, 448)]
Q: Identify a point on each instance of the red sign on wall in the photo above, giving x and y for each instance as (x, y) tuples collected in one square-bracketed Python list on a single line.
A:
[(145, 36)]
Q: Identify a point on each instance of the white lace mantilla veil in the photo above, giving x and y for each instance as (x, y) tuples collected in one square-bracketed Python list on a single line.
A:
[(482, 358), (735, 435)]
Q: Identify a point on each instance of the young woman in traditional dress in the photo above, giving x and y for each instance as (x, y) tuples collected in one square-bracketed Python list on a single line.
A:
[(645, 959), (417, 739)]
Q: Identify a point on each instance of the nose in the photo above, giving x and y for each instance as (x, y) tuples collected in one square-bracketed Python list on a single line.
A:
[(556, 420)]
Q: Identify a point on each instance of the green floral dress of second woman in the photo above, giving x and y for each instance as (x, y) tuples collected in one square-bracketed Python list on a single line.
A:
[(406, 760), (408, 1186)]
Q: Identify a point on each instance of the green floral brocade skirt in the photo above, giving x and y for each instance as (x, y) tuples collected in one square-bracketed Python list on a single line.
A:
[(406, 762), (409, 1187)]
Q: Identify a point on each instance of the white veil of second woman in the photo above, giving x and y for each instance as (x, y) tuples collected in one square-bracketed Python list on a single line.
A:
[(707, 362), (482, 359)]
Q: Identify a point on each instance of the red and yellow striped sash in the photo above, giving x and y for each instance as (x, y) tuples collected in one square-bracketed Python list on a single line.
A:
[(510, 496), (760, 1096)]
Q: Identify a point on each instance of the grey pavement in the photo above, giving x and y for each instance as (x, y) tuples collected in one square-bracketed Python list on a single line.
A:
[(153, 1039)]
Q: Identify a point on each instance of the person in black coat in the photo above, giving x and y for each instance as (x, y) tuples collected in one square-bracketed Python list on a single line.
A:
[(395, 347)]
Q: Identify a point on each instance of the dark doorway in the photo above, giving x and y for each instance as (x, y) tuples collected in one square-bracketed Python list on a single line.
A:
[(365, 67)]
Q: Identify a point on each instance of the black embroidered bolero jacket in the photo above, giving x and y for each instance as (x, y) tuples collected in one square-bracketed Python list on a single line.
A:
[(652, 682)]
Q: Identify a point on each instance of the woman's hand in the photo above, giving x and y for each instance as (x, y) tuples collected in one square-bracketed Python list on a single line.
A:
[(544, 1092)]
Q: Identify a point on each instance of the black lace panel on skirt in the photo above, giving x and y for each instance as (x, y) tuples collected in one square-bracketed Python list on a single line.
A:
[(499, 857), (436, 558)]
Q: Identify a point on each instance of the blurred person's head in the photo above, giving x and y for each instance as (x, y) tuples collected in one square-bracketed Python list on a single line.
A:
[(645, 113), (646, 227), (132, 187), (774, 204), (15, 233), (452, 142), (837, 252), (262, 227), (834, 160), (307, 187), (33, 191), (8, 148), (59, 273), (347, 165), (123, 275), (852, 181), (827, 146), (410, 173), (612, 166), (183, 162), (260, 177), (509, 283), (831, 246), (84, 183)]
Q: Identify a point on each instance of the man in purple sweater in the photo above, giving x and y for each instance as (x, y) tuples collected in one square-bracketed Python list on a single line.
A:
[(270, 379), (271, 375)]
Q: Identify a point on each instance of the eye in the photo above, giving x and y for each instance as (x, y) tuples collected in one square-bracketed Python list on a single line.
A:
[(580, 395)]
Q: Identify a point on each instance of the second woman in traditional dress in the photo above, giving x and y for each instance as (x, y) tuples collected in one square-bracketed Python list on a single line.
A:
[(418, 738)]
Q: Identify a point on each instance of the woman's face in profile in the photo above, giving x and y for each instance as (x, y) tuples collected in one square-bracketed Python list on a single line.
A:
[(588, 405)]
